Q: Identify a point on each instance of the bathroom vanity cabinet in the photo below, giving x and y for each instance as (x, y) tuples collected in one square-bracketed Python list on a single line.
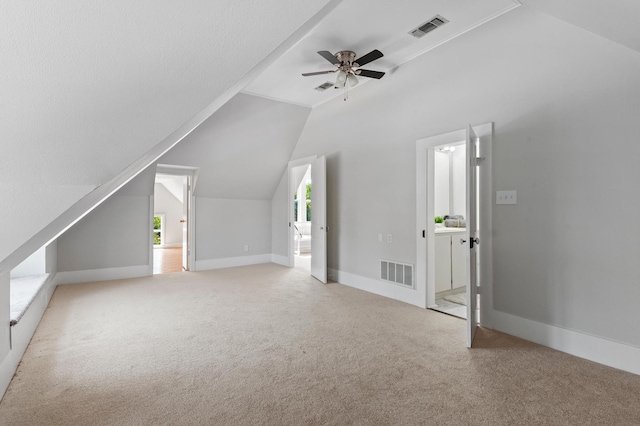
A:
[(450, 259)]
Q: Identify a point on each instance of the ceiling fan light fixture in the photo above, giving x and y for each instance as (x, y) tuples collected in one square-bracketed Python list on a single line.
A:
[(348, 68)]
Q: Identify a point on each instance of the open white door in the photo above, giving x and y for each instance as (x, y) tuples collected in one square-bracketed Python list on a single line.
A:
[(471, 238), (186, 199), (319, 219)]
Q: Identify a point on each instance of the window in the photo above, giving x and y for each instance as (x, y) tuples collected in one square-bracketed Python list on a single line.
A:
[(158, 230), (308, 201)]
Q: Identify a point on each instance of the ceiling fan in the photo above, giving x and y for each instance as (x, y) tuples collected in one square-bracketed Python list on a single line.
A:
[(348, 67)]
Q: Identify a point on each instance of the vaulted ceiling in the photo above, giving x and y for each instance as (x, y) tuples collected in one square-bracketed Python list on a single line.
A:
[(90, 88), (90, 91), (361, 26)]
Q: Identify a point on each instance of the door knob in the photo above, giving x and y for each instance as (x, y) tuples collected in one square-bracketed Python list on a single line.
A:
[(475, 241)]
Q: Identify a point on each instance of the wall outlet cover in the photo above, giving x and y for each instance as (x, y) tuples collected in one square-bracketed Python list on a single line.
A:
[(507, 197)]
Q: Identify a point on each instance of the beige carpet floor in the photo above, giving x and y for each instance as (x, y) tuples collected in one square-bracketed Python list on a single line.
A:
[(268, 345)]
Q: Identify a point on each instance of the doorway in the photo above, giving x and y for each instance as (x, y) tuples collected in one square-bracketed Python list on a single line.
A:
[(476, 238), (306, 204), (449, 209), (302, 217), (173, 219)]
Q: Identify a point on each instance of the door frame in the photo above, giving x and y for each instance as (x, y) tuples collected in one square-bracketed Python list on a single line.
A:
[(192, 176), (306, 161), (425, 263)]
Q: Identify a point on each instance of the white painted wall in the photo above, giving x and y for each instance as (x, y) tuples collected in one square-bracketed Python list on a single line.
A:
[(441, 184), (459, 181), (280, 219), (116, 234), (242, 150), (224, 227), (255, 139), (6, 370), (563, 101), (33, 265), (165, 203), (242, 153)]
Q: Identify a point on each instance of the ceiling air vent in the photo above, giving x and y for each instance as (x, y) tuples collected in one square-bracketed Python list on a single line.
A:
[(324, 86), (428, 26)]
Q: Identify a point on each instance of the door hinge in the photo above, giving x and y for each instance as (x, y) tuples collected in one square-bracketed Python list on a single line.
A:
[(424, 233), (478, 161)]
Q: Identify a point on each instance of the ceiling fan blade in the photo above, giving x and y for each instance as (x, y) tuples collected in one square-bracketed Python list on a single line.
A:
[(329, 57), (307, 74), (369, 57), (370, 74)]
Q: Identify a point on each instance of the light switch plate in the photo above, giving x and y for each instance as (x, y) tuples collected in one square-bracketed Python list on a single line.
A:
[(506, 197)]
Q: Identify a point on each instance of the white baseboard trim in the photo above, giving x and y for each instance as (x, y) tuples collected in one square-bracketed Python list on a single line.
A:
[(280, 260), (107, 274), (378, 287), (230, 262), (603, 351)]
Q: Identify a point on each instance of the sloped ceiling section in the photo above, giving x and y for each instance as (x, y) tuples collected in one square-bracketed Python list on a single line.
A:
[(90, 87), (616, 20), (243, 149)]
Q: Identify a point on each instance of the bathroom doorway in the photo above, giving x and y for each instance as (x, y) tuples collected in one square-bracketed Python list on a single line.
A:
[(449, 208), (476, 242)]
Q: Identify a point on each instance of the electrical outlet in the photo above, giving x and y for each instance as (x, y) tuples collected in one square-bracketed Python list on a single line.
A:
[(506, 197), (389, 238), (246, 247)]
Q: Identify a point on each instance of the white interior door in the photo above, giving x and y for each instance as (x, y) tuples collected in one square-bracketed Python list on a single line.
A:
[(186, 197), (319, 219), (471, 238)]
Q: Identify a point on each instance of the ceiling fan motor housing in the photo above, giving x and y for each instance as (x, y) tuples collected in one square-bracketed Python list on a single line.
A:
[(346, 58)]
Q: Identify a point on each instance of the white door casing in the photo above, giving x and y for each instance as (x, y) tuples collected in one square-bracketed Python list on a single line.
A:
[(425, 228), (186, 196), (471, 236)]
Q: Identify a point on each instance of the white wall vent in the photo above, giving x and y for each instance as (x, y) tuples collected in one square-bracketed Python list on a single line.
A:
[(397, 273), (428, 26), (324, 86)]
